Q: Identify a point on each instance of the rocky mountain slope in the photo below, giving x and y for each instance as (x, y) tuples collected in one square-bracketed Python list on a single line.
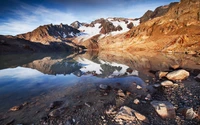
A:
[(169, 28), (176, 31), (50, 33), (159, 11), (11, 44), (91, 33)]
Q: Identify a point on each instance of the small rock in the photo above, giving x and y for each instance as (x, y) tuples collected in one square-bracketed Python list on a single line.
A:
[(164, 108), (198, 113), (188, 113), (15, 108), (120, 93), (128, 116), (55, 104), (161, 74), (167, 83), (139, 87), (148, 97), (55, 113), (88, 104), (25, 103), (136, 101), (178, 75), (141, 117), (103, 86), (197, 78), (175, 66), (156, 85), (129, 70)]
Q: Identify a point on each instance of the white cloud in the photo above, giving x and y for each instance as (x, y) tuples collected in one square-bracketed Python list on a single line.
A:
[(31, 17)]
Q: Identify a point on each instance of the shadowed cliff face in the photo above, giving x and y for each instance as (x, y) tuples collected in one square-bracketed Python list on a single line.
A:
[(178, 31)]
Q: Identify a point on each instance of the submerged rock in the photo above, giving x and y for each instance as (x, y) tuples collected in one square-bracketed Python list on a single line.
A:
[(164, 108), (178, 75), (167, 83)]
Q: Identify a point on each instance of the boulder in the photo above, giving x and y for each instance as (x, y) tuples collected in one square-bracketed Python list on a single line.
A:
[(178, 75), (164, 109), (167, 83)]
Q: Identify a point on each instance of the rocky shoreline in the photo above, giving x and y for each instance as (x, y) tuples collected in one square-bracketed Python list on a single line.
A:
[(171, 97)]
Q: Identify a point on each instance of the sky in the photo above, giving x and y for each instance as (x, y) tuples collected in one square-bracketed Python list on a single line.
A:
[(21, 16)]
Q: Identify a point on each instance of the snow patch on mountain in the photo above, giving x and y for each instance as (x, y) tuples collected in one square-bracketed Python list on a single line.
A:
[(88, 32)]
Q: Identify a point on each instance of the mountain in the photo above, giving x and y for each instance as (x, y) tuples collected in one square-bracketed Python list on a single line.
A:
[(175, 31), (100, 28), (13, 44), (170, 28), (50, 33), (159, 11)]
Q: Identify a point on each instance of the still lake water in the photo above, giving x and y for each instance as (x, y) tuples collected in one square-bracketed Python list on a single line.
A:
[(26, 76)]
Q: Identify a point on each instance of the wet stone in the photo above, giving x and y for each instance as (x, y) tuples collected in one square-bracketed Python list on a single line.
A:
[(104, 87), (55, 104)]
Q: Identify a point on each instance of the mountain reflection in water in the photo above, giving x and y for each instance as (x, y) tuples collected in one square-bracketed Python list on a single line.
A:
[(24, 76)]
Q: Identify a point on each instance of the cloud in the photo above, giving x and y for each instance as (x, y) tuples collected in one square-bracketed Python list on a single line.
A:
[(30, 17)]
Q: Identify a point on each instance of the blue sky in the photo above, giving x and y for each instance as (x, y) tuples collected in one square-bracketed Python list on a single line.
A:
[(20, 16)]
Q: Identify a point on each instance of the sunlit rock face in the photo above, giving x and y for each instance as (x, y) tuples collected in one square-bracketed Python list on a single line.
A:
[(50, 33), (174, 31)]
